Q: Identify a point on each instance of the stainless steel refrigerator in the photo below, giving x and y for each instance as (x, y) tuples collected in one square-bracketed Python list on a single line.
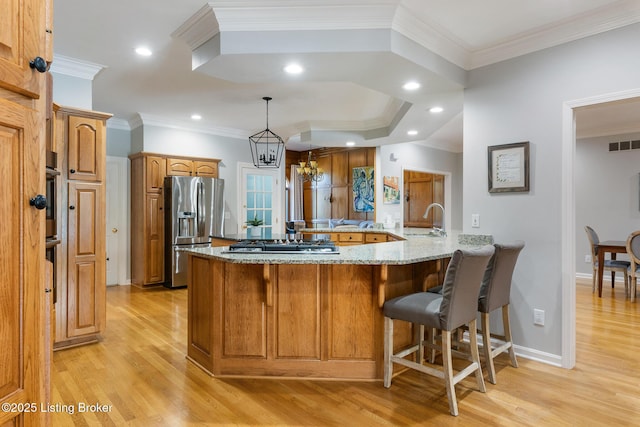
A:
[(194, 213)]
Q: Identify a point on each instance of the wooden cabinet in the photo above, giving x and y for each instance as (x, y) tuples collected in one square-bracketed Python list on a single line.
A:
[(188, 167), (332, 196), (148, 171), (24, 336), (81, 283)]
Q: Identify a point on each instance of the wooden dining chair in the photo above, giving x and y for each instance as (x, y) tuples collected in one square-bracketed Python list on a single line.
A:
[(611, 265), (633, 250)]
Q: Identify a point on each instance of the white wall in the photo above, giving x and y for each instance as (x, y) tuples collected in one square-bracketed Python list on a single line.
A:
[(418, 157), (522, 100), (606, 194), (72, 91)]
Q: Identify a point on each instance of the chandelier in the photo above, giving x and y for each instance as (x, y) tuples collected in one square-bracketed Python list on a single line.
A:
[(266, 147), (309, 170)]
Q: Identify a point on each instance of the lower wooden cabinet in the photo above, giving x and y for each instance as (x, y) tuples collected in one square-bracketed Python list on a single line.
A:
[(86, 289)]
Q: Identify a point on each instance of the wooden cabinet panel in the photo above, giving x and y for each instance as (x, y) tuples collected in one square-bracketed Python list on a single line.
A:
[(244, 317), (21, 40), (155, 171), (86, 148), (297, 312), (86, 281), (351, 312), (205, 168), (154, 232), (200, 300), (339, 172), (340, 202), (179, 167)]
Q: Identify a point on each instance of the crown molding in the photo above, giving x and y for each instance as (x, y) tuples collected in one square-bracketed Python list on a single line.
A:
[(270, 15), (594, 22), (74, 67), (120, 124), (202, 26)]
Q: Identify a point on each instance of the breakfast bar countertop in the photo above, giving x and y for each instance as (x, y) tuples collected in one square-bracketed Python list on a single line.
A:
[(418, 246)]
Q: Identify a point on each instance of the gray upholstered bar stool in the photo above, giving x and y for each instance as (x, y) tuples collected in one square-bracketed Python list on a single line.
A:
[(456, 306), (494, 294)]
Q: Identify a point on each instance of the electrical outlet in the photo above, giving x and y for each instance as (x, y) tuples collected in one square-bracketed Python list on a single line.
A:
[(538, 317), (475, 220), (587, 258)]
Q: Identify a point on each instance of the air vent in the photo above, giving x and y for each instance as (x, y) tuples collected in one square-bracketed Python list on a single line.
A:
[(624, 145)]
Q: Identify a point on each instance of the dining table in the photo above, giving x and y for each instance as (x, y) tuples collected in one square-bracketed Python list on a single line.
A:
[(613, 247)]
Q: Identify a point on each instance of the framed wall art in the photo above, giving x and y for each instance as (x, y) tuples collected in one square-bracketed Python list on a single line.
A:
[(509, 168), (363, 190)]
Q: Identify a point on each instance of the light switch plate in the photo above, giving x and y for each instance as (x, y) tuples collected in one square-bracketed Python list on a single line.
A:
[(475, 220)]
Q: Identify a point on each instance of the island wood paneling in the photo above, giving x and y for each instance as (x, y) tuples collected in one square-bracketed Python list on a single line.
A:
[(298, 312), (294, 320)]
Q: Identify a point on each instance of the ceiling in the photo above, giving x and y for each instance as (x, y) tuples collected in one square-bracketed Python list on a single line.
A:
[(219, 59)]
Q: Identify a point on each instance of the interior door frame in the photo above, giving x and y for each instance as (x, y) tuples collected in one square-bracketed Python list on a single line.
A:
[(122, 236), (277, 200)]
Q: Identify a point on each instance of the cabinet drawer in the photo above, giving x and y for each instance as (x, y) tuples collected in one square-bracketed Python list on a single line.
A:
[(374, 238), (350, 237)]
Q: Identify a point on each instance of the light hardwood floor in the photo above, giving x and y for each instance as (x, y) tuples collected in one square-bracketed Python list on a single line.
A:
[(140, 369)]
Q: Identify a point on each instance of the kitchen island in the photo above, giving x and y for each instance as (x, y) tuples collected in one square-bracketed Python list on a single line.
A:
[(305, 315)]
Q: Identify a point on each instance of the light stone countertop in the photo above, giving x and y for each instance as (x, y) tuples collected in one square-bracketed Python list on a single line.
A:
[(417, 247)]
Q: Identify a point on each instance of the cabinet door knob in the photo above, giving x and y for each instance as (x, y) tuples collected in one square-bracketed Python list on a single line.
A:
[(72, 207), (39, 64), (72, 171), (39, 202)]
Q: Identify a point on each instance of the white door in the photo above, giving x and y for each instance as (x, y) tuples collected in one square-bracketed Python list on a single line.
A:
[(116, 229), (261, 199)]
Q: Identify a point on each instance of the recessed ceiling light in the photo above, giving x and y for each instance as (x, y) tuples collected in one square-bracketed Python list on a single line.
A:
[(412, 132), (350, 143), (293, 69), (436, 110), (196, 117), (143, 51), (411, 86)]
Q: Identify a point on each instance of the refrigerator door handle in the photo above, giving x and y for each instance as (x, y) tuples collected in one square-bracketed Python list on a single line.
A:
[(200, 206)]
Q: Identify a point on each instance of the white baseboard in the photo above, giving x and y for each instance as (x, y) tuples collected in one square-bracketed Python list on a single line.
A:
[(525, 352)]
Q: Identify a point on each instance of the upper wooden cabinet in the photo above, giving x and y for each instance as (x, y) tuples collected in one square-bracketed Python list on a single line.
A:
[(189, 167), (155, 171), (22, 39), (84, 135)]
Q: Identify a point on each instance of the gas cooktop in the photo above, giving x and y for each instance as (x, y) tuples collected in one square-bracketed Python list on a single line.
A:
[(285, 246)]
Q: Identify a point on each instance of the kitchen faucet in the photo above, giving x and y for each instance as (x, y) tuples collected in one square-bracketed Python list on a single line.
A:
[(439, 231)]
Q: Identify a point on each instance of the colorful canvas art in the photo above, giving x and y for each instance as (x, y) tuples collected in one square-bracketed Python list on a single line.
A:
[(363, 191)]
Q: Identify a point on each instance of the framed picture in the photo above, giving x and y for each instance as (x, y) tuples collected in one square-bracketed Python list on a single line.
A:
[(363, 191), (509, 168), (391, 190)]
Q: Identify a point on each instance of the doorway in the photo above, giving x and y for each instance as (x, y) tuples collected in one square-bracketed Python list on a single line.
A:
[(116, 208), (260, 200), (569, 217), (420, 190)]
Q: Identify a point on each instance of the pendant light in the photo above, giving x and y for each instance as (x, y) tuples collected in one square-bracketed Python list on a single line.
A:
[(266, 146)]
